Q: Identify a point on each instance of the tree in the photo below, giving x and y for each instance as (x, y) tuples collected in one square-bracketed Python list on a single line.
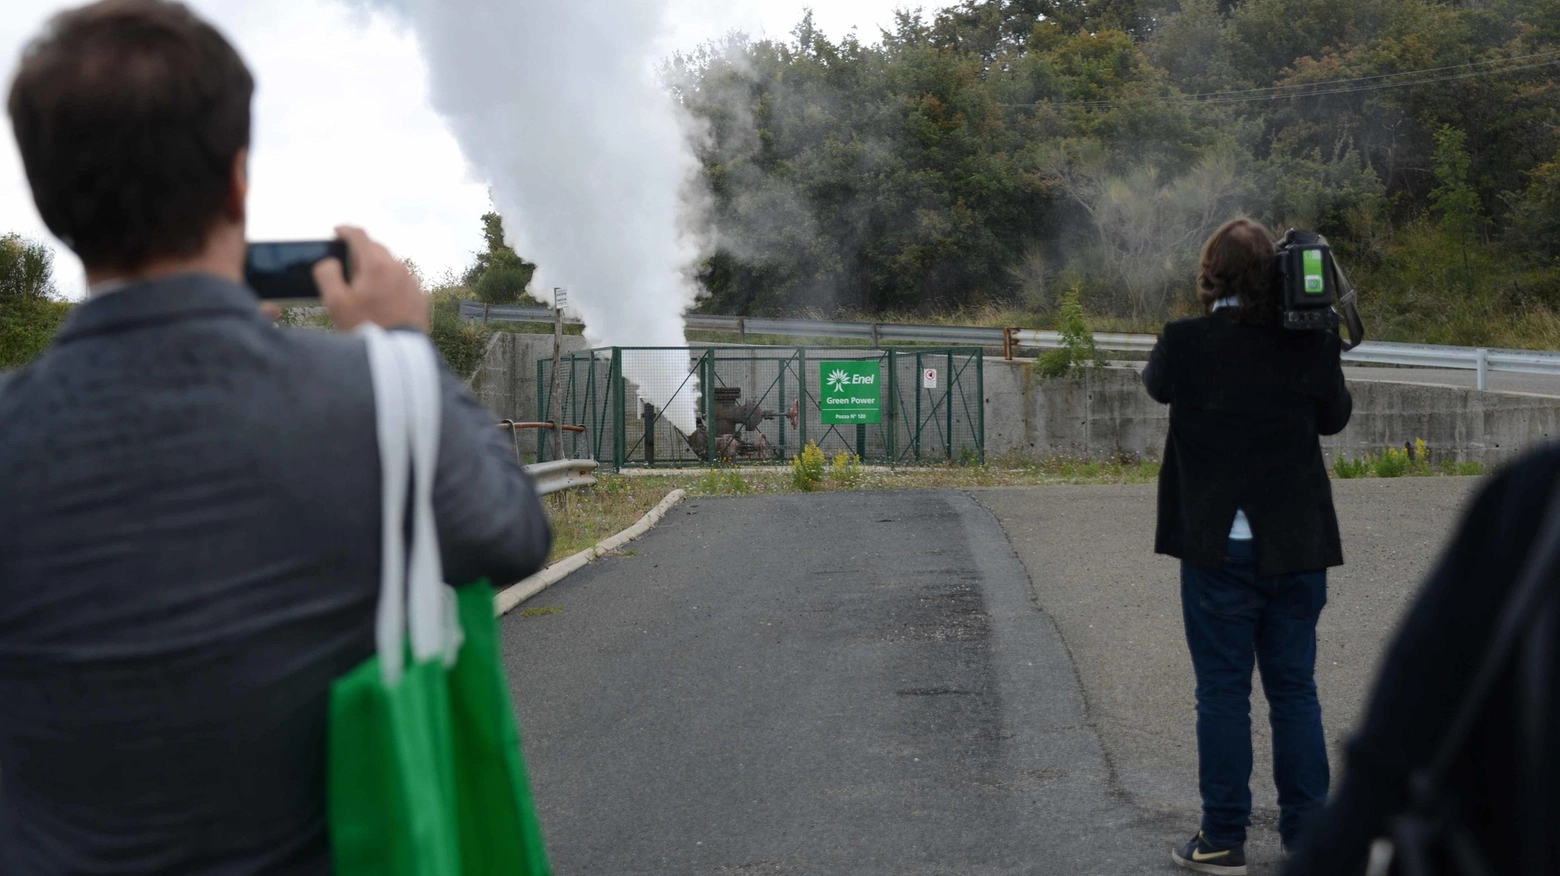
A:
[(918, 172), (1453, 197), (26, 269), (29, 315), (498, 275), (1535, 227)]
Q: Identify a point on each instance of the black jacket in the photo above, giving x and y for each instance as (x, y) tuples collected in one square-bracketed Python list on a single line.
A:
[(189, 556), (1246, 406), (1425, 674)]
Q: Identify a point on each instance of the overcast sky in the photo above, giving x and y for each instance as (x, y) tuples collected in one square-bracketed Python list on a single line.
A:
[(343, 129)]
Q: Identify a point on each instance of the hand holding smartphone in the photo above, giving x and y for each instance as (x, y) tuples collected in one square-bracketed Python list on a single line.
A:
[(353, 276), (283, 271)]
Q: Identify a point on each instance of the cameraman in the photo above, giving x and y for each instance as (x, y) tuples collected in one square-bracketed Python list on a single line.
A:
[(1245, 504), (190, 497)]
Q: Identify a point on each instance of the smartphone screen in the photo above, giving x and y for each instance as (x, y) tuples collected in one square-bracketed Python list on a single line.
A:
[(284, 271)]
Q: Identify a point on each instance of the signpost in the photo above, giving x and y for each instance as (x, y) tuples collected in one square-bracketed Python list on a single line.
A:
[(850, 392), (560, 301), (929, 378)]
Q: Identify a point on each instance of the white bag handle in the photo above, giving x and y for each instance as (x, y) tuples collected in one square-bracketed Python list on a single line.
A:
[(412, 594)]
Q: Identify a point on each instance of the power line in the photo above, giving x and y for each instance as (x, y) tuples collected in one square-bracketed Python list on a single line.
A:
[(1327, 87), (1553, 53)]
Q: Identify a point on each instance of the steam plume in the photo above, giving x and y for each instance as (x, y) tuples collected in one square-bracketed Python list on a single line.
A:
[(556, 105)]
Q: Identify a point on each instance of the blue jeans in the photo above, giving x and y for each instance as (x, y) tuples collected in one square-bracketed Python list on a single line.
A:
[(1235, 617)]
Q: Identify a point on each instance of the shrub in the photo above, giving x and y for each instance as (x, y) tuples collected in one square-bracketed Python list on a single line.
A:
[(27, 327), (1412, 459), (459, 341), (1351, 468), (846, 470), (807, 467), (1077, 350), (1392, 463)]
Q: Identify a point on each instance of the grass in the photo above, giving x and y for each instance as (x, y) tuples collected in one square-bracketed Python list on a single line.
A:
[(581, 518)]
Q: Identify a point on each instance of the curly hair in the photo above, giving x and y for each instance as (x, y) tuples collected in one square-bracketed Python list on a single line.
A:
[(1238, 260)]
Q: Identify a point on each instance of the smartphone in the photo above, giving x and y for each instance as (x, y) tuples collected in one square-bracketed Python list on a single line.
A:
[(284, 271)]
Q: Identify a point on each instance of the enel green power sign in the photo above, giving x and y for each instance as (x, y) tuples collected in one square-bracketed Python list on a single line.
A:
[(850, 392)]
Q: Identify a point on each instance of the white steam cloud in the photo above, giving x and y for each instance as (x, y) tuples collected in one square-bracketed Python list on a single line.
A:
[(557, 106)]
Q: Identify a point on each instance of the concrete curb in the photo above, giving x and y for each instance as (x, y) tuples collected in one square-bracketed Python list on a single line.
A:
[(510, 598)]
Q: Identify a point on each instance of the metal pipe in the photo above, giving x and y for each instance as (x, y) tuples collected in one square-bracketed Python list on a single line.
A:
[(549, 424)]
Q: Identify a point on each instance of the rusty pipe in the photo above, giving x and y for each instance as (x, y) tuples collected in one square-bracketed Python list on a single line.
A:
[(511, 424)]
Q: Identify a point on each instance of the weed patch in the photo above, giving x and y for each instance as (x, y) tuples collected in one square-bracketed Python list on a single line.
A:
[(1410, 460)]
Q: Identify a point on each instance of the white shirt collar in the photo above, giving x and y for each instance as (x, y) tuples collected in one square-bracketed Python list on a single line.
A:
[(1227, 301), (105, 288)]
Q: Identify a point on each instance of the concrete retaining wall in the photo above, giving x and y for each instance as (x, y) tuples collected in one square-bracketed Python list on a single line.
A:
[(506, 379), (1107, 411)]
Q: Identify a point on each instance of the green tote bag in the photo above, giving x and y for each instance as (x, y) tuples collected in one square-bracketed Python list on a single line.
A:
[(426, 775)]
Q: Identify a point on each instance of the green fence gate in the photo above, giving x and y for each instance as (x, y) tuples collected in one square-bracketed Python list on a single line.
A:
[(887, 406)]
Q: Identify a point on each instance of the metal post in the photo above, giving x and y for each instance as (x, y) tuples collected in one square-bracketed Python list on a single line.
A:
[(592, 440), (874, 336), (1007, 343), (615, 397), (541, 412), (707, 382), (948, 400), (742, 329), (861, 440), (559, 299), (915, 431), (980, 387), (485, 308), (801, 397), (893, 408), (1484, 369), (648, 414), (784, 408)]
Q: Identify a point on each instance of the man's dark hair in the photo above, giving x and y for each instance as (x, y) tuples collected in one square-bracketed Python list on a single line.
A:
[(1238, 260), (129, 115)]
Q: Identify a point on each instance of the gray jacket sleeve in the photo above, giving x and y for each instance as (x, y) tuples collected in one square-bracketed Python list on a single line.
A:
[(491, 522)]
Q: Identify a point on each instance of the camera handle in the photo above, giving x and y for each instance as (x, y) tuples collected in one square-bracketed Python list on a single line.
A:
[(1348, 300)]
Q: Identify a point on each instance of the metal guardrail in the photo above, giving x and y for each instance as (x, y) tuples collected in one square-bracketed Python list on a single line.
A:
[(562, 474), (1480, 359)]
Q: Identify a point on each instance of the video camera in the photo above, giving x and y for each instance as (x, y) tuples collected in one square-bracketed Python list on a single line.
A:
[(1313, 290)]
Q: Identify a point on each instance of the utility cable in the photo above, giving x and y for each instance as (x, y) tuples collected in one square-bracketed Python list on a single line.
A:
[(1318, 89)]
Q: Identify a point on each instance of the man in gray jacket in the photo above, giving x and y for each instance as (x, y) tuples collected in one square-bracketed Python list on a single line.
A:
[(189, 496)]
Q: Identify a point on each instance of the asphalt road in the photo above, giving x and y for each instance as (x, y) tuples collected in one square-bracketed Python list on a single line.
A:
[(847, 683), (1089, 551), (897, 683)]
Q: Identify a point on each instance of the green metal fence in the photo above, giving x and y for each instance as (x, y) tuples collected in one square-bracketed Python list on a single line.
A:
[(762, 405)]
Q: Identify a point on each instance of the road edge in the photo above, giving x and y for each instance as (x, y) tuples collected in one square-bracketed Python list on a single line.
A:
[(511, 597)]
